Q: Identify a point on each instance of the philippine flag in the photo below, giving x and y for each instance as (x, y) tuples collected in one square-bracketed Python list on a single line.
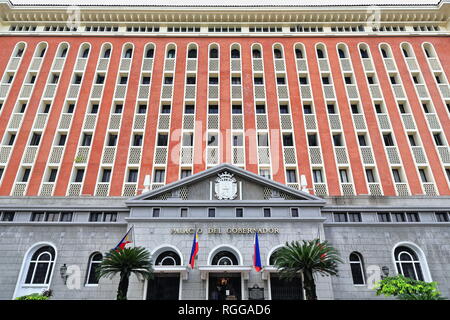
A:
[(194, 251), (125, 240), (256, 255)]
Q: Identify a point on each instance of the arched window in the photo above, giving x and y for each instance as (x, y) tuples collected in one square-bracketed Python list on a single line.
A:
[(192, 53), (357, 268), (384, 53), (107, 53), (428, 54), (299, 53), (63, 53), (213, 53), (256, 54), (277, 53), (150, 53), (364, 53), (235, 54), (341, 54), (171, 54), (405, 53), (85, 53), (168, 258), (320, 54), (42, 53), (224, 258), (408, 263), (41, 266), (94, 261), (128, 53)]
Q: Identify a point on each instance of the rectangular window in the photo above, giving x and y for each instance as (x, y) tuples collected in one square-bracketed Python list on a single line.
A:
[(239, 212), (137, 140), (186, 173), (133, 175), (267, 212), (438, 139), (188, 139), (94, 108), (110, 217), (12, 137), (303, 80), (340, 217), (337, 140), (212, 140), (26, 175), (52, 216), (52, 175), (165, 108), (398, 217), (397, 176), (238, 140), (79, 175), (442, 216), (317, 175), (37, 216), (362, 140), (66, 217), (159, 176), (354, 216), (236, 80), (87, 139), (118, 108), (412, 217), (378, 108), (258, 80), (260, 109), (156, 212), (8, 216), (237, 109), (213, 109), (189, 109), (307, 109), (331, 109), (312, 140), (294, 212), (265, 173), (162, 140), (211, 212), (291, 176), (145, 80), (423, 175), (384, 217), (355, 109), (284, 109), (112, 141), (106, 176), (213, 80), (344, 175), (370, 176), (263, 140), (95, 216), (123, 80), (288, 140), (35, 139), (142, 108), (183, 212), (388, 141), (100, 79), (70, 108)]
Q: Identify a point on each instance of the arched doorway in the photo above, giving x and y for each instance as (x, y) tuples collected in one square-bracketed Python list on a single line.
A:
[(166, 283), (224, 284)]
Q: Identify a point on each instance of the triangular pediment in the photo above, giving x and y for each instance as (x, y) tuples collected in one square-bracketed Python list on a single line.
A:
[(239, 184)]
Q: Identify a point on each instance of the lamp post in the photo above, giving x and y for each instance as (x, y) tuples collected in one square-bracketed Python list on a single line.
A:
[(63, 273)]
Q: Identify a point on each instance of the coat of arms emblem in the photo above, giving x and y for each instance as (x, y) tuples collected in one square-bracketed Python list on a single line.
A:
[(226, 186)]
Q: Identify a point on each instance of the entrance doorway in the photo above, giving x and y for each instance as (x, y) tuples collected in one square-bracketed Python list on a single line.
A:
[(165, 286), (225, 286), (282, 289)]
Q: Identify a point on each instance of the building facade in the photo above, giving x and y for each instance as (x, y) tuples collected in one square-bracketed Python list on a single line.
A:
[(296, 121)]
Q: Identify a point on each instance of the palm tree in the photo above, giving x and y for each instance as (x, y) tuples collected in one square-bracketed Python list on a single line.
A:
[(126, 261), (308, 257)]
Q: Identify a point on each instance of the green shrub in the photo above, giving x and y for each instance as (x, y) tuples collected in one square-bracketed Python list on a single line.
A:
[(33, 296), (408, 289)]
